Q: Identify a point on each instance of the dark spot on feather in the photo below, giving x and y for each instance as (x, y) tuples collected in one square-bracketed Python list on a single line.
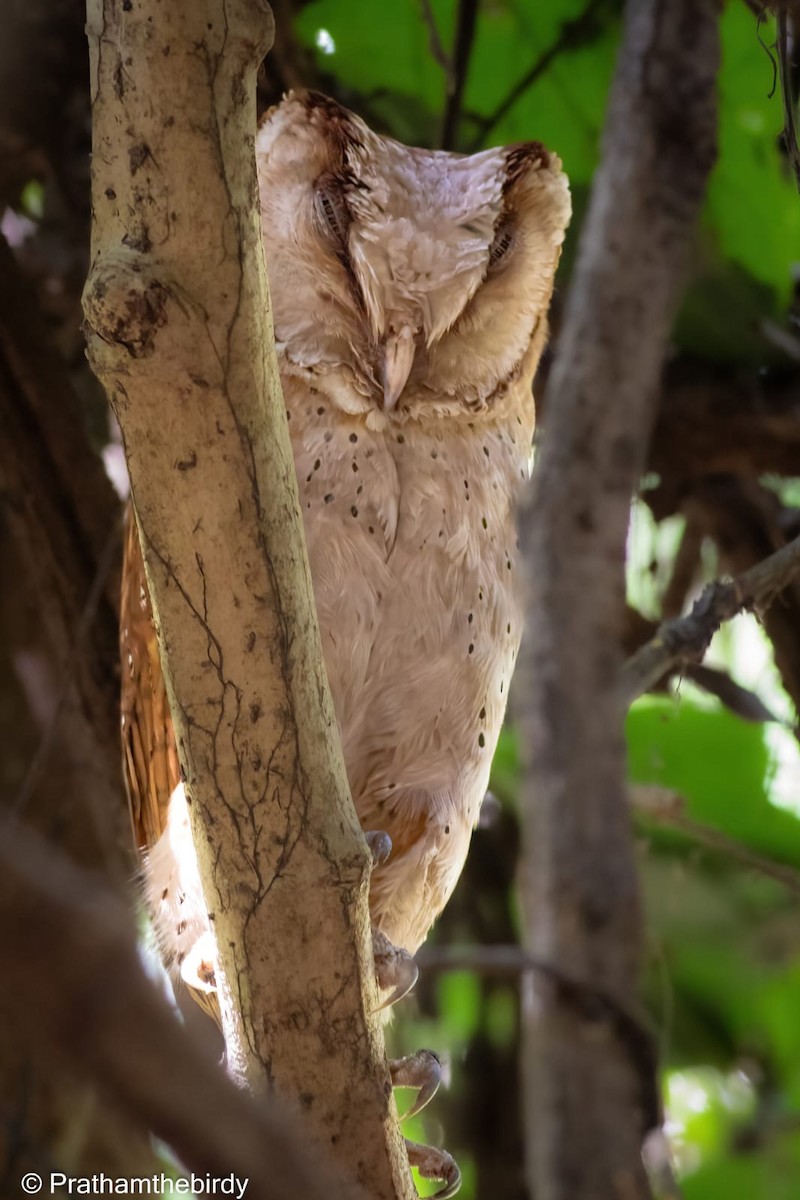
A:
[(328, 498)]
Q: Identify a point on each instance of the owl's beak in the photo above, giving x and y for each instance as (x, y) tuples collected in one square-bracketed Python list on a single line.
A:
[(398, 359)]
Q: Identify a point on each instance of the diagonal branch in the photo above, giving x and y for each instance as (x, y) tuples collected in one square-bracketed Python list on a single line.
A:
[(574, 33), (84, 995), (686, 639), (437, 49)]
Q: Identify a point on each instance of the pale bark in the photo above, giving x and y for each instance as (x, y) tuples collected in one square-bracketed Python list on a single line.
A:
[(590, 1077), (178, 321)]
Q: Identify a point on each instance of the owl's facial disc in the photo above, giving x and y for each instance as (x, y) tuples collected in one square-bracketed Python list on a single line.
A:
[(405, 279)]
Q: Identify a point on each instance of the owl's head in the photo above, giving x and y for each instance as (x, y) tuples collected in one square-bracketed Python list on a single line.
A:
[(405, 279)]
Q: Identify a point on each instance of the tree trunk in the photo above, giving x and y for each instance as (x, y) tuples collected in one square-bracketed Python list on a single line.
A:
[(590, 1072), (177, 311)]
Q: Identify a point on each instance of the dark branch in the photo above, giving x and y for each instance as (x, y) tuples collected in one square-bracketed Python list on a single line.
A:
[(748, 524), (73, 981), (63, 514), (686, 639), (465, 36), (785, 42)]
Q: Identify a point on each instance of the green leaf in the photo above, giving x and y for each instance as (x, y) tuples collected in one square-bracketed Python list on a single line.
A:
[(719, 763)]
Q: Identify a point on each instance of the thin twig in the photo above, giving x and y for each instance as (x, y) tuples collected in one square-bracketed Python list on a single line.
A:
[(787, 92), (572, 34), (686, 639), (438, 52), (668, 808)]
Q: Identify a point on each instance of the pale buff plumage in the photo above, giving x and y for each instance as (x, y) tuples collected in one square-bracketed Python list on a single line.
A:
[(410, 291)]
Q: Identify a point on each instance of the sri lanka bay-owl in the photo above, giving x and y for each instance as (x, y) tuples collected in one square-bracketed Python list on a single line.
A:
[(410, 291)]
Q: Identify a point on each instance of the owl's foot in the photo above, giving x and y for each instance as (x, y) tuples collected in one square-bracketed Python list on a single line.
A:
[(422, 1071), (433, 1163), (395, 969)]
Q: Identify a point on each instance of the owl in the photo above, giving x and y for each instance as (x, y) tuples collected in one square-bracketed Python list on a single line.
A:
[(410, 291)]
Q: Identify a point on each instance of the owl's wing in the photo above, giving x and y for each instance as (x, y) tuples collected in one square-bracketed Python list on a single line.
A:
[(150, 759)]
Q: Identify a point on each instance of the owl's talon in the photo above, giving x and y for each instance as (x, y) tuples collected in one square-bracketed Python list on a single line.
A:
[(422, 1071), (380, 845), (395, 969), (433, 1163)]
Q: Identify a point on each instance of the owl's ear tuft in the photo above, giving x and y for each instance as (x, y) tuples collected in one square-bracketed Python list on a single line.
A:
[(340, 127), (522, 158)]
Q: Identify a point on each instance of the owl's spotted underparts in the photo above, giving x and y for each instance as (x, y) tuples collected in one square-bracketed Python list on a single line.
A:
[(410, 292)]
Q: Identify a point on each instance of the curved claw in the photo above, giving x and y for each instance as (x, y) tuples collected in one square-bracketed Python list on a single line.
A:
[(433, 1163), (395, 969), (380, 846), (423, 1071), (403, 973)]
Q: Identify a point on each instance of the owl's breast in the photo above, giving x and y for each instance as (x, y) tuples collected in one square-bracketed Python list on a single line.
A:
[(412, 547)]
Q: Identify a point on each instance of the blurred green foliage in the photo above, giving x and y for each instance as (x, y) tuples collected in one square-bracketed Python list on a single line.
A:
[(723, 976)]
